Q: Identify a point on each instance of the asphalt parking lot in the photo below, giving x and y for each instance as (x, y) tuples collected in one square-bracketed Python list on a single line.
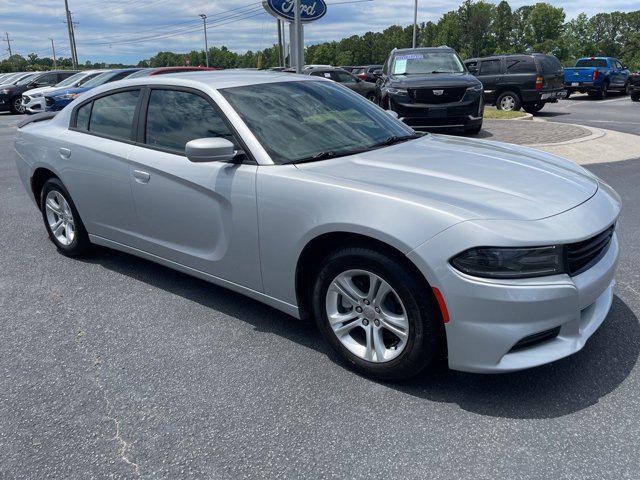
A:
[(616, 112), (114, 367)]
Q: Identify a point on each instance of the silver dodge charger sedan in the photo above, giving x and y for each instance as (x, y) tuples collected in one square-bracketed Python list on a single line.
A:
[(293, 190)]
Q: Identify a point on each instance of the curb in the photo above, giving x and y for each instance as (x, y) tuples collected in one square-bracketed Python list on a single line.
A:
[(595, 134), (527, 116)]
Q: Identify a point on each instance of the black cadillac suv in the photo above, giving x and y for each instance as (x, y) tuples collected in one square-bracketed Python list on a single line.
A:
[(431, 88)]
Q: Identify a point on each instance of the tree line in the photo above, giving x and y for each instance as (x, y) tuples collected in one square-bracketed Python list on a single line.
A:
[(475, 28)]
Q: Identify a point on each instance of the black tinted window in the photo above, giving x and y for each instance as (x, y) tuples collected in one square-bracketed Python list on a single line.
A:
[(550, 64), (522, 65), (82, 120), (490, 67), (343, 77), (174, 118), (592, 62), (113, 115), (48, 79)]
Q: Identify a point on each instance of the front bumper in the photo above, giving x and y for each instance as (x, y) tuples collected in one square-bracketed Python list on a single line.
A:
[(581, 87), (5, 101), (33, 104), (488, 318), (467, 112)]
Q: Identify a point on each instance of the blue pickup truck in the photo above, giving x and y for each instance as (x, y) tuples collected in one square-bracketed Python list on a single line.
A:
[(596, 76)]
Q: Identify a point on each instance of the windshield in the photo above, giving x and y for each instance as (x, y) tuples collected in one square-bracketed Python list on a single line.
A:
[(100, 79), (311, 120), (592, 62), (27, 79), (71, 80), (141, 73), (421, 63)]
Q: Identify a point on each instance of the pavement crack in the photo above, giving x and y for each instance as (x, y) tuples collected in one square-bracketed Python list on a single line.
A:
[(124, 446)]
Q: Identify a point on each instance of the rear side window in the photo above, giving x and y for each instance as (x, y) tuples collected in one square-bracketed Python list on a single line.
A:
[(592, 62), (343, 77), (176, 117), (521, 65), (112, 115), (490, 67), (549, 64), (82, 119)]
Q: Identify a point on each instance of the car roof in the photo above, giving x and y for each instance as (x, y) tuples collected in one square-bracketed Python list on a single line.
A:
[(424, 49), (216, 79)]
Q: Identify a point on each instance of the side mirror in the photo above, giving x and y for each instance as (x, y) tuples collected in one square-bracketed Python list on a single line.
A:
[(473, 70), (214, 149), (392, 113)]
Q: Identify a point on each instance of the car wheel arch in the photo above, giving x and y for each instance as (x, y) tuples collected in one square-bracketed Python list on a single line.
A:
[(38, 178), (322, 245)]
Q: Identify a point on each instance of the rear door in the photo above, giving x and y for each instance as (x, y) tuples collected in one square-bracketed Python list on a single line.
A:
[(490, 73), (349, 81), (201, 215), (95, 157), (521, 74)]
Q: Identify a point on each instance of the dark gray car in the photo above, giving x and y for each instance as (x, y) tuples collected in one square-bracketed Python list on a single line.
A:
[(339, 75)]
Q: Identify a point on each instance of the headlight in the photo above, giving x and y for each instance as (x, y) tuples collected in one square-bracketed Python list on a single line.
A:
[(6, 91), (66, 96), (498, 262), (475, 88), (36, 95), (397, 91)]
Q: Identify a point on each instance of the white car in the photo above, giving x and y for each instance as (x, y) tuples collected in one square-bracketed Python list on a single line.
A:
[(33, 100)]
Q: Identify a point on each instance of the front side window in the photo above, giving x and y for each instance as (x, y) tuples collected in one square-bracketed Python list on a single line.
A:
[(490, 67), (421, 63), (175, 117), (112, 115), (308, 120)]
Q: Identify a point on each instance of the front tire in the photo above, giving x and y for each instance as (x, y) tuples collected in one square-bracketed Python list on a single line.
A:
[(376, 314), (508, 101), (473, 130), (16, 106), (61, 219), (635, 97)]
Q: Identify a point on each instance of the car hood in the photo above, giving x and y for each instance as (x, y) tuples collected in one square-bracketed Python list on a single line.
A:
[(63, 91), (433, 80), (470, 178), (39, 90)]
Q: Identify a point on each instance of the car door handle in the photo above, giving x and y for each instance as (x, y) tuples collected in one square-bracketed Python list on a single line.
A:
[(65, 152), (141, 176)]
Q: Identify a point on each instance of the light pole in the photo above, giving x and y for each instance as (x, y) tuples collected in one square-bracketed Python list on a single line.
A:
[(415, 22), (297, 22), (206, 43)]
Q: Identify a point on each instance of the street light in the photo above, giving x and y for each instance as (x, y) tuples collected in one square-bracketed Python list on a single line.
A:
[(206, 43), (415, 22)]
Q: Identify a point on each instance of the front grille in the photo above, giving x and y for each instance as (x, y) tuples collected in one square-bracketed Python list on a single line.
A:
[(536, 339), (582, 255), (427, 95)]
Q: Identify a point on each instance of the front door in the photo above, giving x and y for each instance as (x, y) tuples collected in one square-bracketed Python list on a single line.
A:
[(201, 215), (490, 74)]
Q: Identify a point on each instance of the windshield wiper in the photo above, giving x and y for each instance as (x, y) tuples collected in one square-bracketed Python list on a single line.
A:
[(324, 156), (393, 139), (442, 71)]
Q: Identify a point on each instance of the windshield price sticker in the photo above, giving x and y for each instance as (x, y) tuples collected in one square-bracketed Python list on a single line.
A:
[(412, 56)]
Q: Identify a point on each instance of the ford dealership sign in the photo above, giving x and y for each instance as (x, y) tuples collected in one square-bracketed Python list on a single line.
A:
[(310, 9)]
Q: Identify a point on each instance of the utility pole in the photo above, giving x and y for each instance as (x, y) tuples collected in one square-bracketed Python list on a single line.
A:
[(53, 47), (297, 22), (206, 43), (280, 58), (8, 43), (72, 40), (415, 22)]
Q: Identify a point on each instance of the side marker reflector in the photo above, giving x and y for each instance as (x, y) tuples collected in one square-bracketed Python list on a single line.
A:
[(442, 305)]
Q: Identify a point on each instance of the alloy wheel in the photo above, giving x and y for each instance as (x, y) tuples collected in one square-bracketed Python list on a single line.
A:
[(18, 105), (60, 218), (367, 316)]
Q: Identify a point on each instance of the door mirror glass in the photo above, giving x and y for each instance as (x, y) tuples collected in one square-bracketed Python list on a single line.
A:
[(213, 149), (472, 69)]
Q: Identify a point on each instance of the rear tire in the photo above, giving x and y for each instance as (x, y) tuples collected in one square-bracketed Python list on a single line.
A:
[(533, 107), (635, 97), (62, 220), (603, 92), (387, 356), (508, 101)]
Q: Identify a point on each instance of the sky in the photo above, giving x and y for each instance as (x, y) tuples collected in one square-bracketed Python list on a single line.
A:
[(124, 30)]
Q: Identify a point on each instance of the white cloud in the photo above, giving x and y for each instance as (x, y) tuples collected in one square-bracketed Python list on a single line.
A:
[(30, 24)]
